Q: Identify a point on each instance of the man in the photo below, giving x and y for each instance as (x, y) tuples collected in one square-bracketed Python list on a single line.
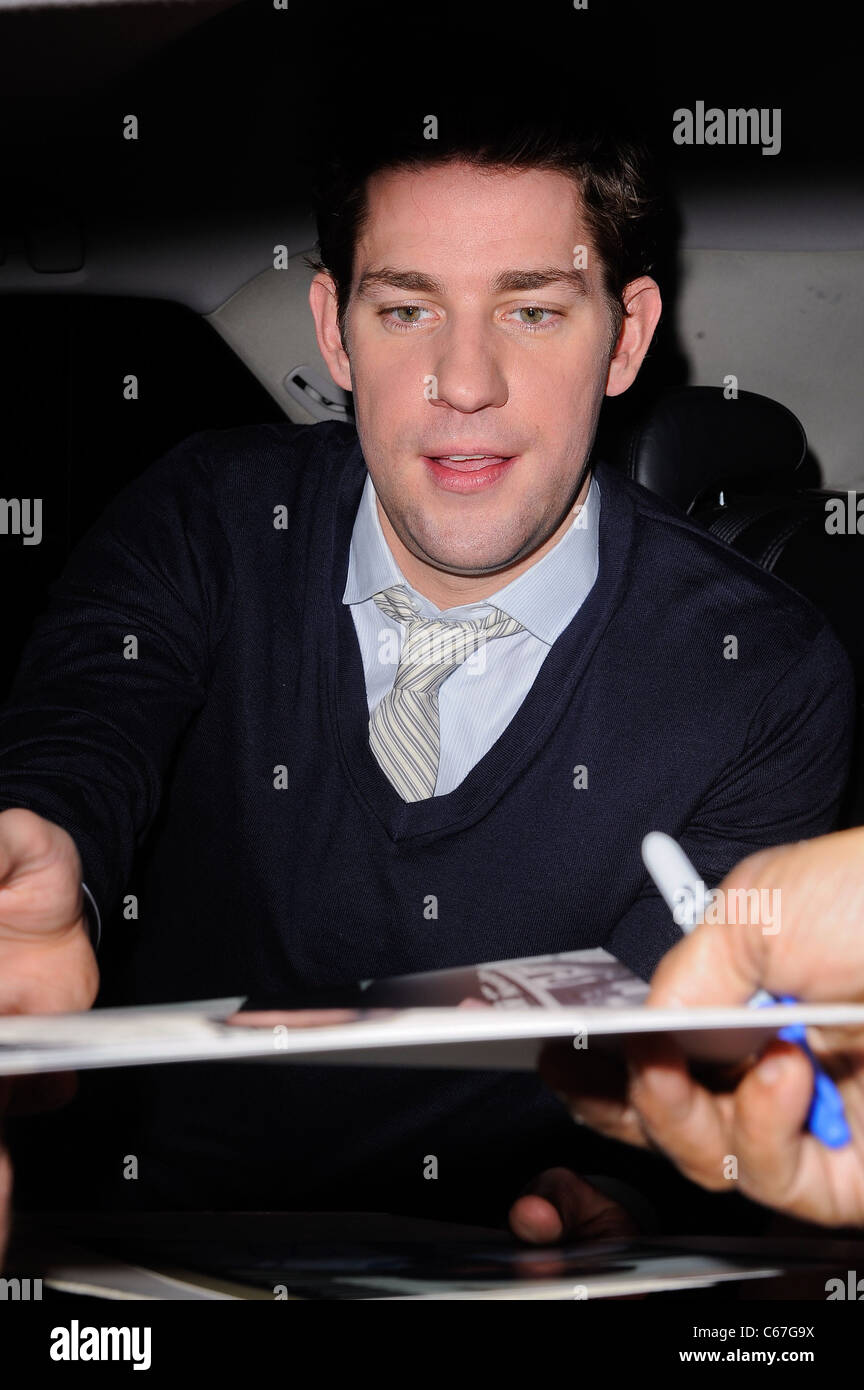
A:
[(406, 701), (818, 955)]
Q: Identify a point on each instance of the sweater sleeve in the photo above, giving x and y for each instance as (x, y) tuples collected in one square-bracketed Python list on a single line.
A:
[(117, 665), (785, 784)]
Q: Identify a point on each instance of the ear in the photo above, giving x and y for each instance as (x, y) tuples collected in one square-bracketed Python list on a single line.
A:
[(644, 305), (322, 302)]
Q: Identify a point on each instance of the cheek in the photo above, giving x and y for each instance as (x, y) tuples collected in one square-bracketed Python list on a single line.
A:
[(391, 391), (568, 381)]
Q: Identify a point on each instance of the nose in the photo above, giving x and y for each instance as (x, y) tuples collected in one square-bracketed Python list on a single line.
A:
[(469, 374)]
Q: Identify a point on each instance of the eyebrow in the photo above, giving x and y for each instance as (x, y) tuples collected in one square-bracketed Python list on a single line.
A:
[(506, 281)]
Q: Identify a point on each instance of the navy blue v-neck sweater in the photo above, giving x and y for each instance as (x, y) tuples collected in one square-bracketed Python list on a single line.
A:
[(275, 857)]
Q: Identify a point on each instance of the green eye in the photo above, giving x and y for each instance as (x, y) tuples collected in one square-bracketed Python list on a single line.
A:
[(536, 310), (403, 317)]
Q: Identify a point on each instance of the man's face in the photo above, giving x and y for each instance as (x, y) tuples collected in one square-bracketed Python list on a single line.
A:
[(470, 332)]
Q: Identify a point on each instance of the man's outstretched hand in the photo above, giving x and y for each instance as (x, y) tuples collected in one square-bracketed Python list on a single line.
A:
[(47, 964)]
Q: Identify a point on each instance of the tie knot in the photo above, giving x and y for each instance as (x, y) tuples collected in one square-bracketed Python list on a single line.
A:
[(434, 647), (397, 603)]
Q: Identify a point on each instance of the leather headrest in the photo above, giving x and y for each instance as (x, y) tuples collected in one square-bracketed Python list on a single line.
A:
[(694, 441)]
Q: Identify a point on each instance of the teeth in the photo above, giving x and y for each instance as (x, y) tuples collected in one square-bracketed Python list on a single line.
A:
[(463, 458)]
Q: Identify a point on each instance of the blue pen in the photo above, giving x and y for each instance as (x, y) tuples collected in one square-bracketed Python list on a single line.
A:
[(685, 894)]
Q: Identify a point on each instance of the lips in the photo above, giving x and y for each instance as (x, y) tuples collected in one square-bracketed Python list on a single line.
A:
[(470, 464)]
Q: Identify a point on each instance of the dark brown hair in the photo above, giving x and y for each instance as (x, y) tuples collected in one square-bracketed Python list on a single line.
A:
[(611, 172)]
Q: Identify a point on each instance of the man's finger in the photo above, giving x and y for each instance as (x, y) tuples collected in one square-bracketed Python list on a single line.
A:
[(536, 1220), (688, 1123), (717, 964), (293, 1018), (770, 1108)]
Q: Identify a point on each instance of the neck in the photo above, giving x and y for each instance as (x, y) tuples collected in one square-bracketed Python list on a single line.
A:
[(447, 590)]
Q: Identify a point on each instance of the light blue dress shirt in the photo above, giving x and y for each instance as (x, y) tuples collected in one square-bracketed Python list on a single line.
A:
[(478, 700)]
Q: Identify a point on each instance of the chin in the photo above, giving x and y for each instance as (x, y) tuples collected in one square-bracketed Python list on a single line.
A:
[(471, 565)]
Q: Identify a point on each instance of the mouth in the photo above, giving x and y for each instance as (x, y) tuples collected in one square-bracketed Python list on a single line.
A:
[(468, 463), (467, 473)]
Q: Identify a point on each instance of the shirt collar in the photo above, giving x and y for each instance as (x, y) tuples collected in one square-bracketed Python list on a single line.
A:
[(543, 599)]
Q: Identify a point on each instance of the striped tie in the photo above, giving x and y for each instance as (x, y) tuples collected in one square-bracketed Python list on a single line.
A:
[(404, 730)]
